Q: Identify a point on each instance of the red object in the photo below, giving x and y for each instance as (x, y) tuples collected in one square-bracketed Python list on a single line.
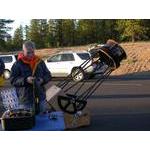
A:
[(32, 62)]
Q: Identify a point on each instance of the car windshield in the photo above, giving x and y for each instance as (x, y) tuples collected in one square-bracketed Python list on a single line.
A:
[(84, 56)]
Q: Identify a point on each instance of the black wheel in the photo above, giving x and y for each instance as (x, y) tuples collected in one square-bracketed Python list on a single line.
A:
[(77, 74), (70, 104)]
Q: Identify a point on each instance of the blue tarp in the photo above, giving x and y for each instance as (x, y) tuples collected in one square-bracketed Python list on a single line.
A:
[(49, 122)]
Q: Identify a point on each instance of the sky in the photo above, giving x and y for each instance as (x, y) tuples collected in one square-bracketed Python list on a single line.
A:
[(17, 23)]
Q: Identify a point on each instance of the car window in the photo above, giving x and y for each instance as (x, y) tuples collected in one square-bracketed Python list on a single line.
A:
[(6, 59), (84, 56), (55, 58), (67, 57)]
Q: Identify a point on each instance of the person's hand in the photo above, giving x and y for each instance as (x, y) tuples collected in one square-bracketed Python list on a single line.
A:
[(30, 79)]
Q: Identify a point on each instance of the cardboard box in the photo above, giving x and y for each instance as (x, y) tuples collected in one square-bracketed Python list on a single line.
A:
[(78, 120)]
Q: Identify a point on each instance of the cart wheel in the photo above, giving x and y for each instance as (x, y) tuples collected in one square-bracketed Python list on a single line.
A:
[(71, 104)]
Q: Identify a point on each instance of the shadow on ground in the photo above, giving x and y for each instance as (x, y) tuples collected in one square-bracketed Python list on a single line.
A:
[(145, 75)]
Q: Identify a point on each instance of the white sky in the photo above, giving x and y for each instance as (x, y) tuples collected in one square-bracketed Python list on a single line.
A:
[(17, 23)]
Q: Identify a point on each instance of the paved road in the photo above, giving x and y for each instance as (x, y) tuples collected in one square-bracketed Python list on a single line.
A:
[(120, 105)]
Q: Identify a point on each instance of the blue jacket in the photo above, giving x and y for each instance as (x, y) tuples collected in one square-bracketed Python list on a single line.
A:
[(2, 66), (26, 92)]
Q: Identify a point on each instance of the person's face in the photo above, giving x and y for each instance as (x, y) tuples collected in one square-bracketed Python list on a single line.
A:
[(28, 52)]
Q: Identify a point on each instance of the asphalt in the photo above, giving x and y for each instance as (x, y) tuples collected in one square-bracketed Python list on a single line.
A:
[(119, 104)]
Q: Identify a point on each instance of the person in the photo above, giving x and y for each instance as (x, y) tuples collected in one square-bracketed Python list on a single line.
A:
[(2, 68), (28, 69)]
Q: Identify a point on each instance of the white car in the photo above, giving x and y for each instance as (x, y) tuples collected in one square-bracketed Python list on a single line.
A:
[(8, 60), (67, 63)]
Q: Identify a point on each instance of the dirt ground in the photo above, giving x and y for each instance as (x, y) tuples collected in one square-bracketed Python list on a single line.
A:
[(138, 56)]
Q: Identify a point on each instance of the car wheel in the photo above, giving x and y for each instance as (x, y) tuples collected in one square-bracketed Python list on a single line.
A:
[(6, 74), (77, 74)]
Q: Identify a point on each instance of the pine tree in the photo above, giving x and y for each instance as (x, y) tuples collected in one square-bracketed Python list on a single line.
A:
[(52, 33), (131, 28), (38, 32), (26, 30), (88, 31), (68, 30), (18, 38), (4, 32), (34, 34), (59, 32), (43, 30)]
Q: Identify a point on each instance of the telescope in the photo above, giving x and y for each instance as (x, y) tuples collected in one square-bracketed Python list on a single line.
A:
[(106, 58)]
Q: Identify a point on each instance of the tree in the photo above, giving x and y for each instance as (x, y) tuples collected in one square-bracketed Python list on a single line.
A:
[(38, 32), (4, 28), (59, 32), (18, 38), (34, 34), (146, 24), (107, 30), (26, 30), (52, 33), (83, 31), (68, 31), (43, 30), (131, 28)]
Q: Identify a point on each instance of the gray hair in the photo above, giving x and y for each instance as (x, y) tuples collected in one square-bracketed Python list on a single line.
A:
[(29, 45)]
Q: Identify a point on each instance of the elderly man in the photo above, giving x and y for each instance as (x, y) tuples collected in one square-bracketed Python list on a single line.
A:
[(28, 70)]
